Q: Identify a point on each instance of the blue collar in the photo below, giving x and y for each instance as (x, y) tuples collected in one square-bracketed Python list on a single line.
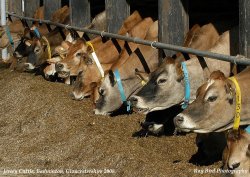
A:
[(187, 85), (9, 36), (121, 90), (248, 129), (37, 32)]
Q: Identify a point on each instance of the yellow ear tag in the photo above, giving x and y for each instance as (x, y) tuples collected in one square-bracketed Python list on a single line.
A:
[(143, 83)]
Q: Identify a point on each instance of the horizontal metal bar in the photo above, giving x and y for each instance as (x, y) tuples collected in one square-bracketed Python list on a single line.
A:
[(233, 59)]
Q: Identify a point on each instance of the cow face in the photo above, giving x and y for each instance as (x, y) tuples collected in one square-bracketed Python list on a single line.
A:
[(36, 54), (75, 61), (236, 154), (164, 89), (213, 109), (109, 98)]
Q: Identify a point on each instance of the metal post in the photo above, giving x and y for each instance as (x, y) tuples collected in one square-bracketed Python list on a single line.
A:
[(3, 23)]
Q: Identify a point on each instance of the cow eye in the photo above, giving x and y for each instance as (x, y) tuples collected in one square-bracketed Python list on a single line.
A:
[(161, 81), (78, 55), (37, 50), (101, 91), (212, 98)]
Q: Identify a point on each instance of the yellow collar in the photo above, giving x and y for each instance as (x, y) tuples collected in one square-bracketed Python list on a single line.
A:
[(238, 103)]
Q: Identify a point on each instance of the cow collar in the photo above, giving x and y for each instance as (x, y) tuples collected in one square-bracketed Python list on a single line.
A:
[(187, 85), (95, 58), (37, 33), (238, 103), (7, 30), (248, 129), (121, 90)]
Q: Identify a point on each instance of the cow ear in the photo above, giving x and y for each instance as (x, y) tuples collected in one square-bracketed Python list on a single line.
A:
[(179, 71), (66, 45), (27, 33), (111, 78), (142, 75), (89, 49)]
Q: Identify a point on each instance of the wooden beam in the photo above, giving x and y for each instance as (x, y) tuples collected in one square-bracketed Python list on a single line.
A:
[(30, 6), (117, 12), (173, 22), (50, 7), (244, 27), (80, 13), (15, 6)]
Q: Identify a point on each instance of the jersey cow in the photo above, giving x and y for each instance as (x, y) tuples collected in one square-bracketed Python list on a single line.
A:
[(236, 155), (166, 86), (90, 78), (78, 56), (214, 106), (145, 58)]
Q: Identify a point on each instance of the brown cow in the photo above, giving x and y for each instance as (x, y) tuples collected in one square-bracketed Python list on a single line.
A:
[(79, 53), (214, 106), (165, 86), (83, 87), (236, 156), (109, 96)]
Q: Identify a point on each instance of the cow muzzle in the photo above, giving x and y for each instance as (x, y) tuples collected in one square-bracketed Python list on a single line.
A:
[(29, 66), (184, 123), (137, 104)]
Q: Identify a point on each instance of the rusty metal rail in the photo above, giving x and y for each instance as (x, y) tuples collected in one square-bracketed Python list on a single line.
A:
[(233, 59)]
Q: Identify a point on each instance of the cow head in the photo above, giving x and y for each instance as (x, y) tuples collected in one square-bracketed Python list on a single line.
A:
[(236, 154), (213, 109), (76, 59), (109, 99), (164, 88)]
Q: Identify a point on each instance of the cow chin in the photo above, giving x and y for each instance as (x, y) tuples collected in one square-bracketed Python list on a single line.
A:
[(98, 112), (63, 74), (29, 67)]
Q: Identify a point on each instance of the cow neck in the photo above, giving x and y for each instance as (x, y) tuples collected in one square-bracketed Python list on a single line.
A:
[(121, 90), (248, 129), (7, 30), (142, 60), (186, 85), (95, 58)]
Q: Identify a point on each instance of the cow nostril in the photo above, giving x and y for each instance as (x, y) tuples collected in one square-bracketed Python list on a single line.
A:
[(134, 100), (179, 120), (235, 165)]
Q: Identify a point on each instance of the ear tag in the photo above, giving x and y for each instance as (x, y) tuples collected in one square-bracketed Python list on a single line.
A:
[(143, 83)]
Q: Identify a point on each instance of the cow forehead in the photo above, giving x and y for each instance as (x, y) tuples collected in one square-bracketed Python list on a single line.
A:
[(79, 47), (209, 83)]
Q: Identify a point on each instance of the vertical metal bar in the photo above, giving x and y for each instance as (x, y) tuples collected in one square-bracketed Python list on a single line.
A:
[(117, 12), (80, 13), (3, 23), (30, 7), (173, 22)]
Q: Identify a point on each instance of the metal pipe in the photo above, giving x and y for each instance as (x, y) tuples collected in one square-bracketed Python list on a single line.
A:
[(233, 59), (3, 23)]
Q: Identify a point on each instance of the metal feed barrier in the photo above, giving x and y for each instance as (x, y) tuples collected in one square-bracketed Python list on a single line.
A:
[(233, 59)]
